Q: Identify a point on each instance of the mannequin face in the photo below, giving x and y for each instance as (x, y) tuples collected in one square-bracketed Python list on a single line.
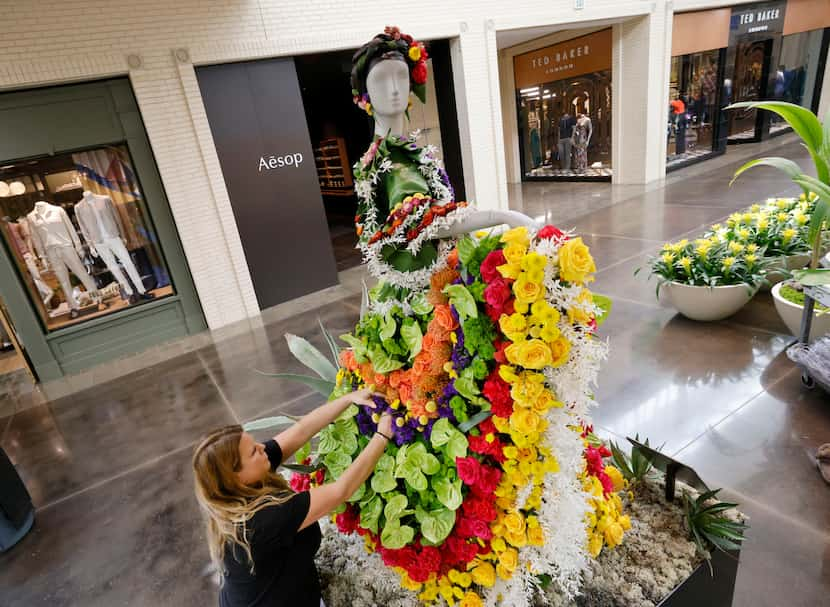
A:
[(388, 87)]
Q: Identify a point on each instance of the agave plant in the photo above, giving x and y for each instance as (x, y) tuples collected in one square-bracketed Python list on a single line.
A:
[(325, 383), (815, 137), (634, 468), (709, 528)]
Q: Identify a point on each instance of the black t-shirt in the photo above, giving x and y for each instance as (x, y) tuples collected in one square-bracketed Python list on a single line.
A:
[(284, 570)]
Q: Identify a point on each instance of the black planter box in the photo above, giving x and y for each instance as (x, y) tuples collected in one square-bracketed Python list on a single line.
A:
[(706, 588)]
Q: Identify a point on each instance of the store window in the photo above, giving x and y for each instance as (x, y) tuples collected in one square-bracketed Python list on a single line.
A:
[(77, 227), (693, 97), (564, 109), (796, 75)]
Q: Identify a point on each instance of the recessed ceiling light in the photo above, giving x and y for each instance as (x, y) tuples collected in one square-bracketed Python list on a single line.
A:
[(4, 189), (17, 188)]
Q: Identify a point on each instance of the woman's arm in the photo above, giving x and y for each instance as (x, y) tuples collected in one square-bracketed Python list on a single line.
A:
[(326, 498), (310, 424)]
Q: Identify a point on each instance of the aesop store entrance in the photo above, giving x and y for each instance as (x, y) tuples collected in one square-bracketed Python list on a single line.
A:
[(91, 264)]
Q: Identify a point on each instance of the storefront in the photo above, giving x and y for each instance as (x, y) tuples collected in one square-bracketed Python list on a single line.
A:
[(91, 264), (771, 50), (563, 97)]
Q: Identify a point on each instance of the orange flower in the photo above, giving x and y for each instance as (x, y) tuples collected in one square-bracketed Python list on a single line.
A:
[(380, 380), (445, 318), (347, 360), (438, 332), (405, 391), (428, 342), (396, 377), (421, 365), (442, 278), (452, 258)]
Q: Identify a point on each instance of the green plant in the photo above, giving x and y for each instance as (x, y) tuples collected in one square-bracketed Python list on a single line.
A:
[(709, 528), (634, 468), (797, 297), (816, 138)]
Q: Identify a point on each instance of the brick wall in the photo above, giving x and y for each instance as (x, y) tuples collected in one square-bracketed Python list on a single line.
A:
[(49, 42)]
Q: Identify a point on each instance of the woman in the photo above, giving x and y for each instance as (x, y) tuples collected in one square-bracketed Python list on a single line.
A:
[(263, 536)]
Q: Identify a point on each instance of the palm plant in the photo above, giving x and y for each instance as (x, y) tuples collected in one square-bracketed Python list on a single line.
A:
[(815, 137)]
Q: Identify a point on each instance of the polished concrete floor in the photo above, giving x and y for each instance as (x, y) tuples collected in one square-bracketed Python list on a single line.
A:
[(106, 454)]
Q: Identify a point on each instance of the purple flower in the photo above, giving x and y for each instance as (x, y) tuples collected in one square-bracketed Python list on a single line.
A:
[(364, 421), (449, 392), (404, 434)]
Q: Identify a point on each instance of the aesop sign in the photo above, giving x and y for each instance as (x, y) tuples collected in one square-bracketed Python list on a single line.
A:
[(258, 123)]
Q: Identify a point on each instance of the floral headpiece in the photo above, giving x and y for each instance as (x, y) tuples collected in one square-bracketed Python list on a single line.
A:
[(391, 43)]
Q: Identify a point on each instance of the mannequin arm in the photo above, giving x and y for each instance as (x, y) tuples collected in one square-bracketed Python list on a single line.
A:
[(84, 232), (117, 218), (71, 229), (41, 251), (488, 219)]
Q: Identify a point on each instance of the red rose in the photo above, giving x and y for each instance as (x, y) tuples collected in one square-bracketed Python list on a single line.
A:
[(479, 508), (501, 346), (550, 231), (471, 527), (347, 520), (497, 293), (419, 73), (488, 267), (468, 470), (300, 482)]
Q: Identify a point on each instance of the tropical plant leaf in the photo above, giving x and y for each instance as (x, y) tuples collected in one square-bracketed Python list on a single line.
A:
[(474, 421), (802, 121), (335, 349), (311, 357), (302, 469), (321, 386), (784, 165), (813, 278), (267, 422)]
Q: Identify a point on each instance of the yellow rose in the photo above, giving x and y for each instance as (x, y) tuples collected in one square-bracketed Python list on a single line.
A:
[(415, 53), (613, 534), (534, 275), (536, 536), (519, 540), (503, 572), (514, 253), (484, 574), (524, 420), (535, 354), (560, 349), (509, 559), (545, 402), (498, 544), (508, 374), (471, 599), (514, 523), (516, 235), (616, 477), (513, 326), (513, 352), (575, 261), (595, 545), (510, 270), (527, 291), (534, 262), (625, 522)]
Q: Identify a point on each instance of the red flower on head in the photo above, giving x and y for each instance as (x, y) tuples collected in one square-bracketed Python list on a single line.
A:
[(550, 231), (488, 267), (419, 73)]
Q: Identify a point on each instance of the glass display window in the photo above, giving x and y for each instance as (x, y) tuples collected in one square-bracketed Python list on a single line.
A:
[(693, 98), (565, 127), (77, 226), (794, 78)]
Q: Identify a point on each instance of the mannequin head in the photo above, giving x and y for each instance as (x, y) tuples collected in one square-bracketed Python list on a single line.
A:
[(388, 86)]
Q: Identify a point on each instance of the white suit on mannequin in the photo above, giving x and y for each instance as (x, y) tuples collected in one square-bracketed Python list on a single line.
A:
[(102, 229), (57, 242), (388, 86)]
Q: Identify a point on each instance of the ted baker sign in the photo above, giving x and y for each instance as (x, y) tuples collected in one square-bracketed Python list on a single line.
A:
[(566, 59), (769, 18)]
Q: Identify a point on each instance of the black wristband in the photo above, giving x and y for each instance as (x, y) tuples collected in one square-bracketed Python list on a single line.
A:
[(388, 438)]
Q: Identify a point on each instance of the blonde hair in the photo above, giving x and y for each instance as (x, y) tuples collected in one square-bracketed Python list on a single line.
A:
[(227, 503)]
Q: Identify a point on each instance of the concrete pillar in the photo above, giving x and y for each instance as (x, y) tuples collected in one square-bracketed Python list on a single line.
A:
[(640, 93)]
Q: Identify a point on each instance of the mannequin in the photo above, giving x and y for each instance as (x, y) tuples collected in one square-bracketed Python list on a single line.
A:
[(102, 229), (566, 131), (581, 138), (388, 86), (58, 244), (21, 239)]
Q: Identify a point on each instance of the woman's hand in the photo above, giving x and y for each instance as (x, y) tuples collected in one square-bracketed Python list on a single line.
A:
[(364, 397), (385, 424)]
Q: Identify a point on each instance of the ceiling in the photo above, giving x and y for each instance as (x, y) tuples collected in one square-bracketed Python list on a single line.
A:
[(508, 38)]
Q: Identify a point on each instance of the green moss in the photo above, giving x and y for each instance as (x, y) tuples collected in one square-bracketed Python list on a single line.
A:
[(797, 297)]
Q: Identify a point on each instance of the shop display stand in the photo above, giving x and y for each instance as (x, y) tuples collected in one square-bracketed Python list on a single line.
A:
[(333, 167)]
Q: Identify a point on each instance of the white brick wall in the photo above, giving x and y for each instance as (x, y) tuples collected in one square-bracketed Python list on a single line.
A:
[(56, 41)]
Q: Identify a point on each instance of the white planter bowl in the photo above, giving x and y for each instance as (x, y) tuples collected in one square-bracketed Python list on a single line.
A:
[(791, 314), (708, 303), (788, 262)]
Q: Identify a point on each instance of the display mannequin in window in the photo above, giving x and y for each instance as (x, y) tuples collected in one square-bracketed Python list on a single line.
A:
[(102, 229), (581, 139), (566, 132), (21, 240), (58, 245)]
